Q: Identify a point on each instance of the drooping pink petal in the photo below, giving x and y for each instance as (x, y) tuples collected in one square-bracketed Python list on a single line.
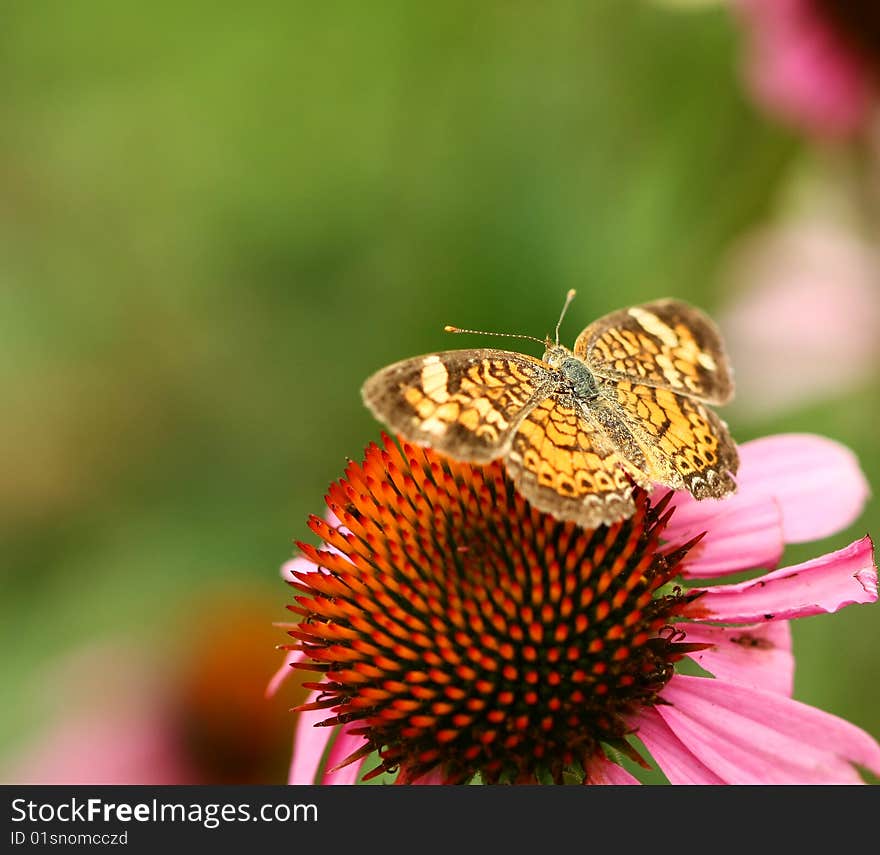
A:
[(296, 565), (283, 672), (601, 770), (344, 744), (826, 584), (309, 744), (673, 757), (758, 655), (791, 488), (742, 532), (749, 736), (818, 482)]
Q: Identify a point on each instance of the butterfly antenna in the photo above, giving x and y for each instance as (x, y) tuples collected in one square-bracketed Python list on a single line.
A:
[(568, 298), (452, 329)]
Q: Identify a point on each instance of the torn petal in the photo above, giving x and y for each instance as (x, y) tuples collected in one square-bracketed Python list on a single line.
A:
[(758, 655), (826, 584)]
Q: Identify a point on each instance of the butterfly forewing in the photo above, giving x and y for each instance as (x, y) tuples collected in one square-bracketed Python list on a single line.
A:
[(466, 403), (666, 344)]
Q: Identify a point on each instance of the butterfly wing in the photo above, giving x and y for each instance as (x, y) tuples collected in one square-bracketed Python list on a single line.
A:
[(666, 344), (466, 403), (563, 460), (683, 444)]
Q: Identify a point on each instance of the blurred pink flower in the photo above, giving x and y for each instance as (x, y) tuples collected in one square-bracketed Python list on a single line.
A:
[(802, 321), (457, 632), (813, 63), (115, 728), (198, 717)]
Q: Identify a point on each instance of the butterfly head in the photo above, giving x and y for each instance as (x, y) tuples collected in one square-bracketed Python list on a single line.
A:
[(556, 354)]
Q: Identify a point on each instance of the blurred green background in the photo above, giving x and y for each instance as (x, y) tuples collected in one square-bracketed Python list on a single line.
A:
[(216, 221)]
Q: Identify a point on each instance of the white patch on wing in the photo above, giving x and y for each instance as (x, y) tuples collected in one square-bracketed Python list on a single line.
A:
[(435, 379), (435, 426), (706, 361), (652, 324)]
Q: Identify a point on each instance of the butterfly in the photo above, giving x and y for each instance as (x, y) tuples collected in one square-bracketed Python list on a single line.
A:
[(578, 429)]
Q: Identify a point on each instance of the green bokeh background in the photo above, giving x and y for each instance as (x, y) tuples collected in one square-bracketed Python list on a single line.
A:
[(216, 221)]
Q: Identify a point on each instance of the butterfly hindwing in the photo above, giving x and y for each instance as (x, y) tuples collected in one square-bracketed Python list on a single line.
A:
[(562, 460), (684, 444)]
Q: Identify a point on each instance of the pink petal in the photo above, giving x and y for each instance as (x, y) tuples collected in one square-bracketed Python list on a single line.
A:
[(673, 757), (743, 532), (283, 672), (825, 584), (818, 482), (751, 736), (344, 744), (432, 778), (300, 564), (820, 276), (296, 565), (814, 483), (601, 770), (758, 656), (309, 744)]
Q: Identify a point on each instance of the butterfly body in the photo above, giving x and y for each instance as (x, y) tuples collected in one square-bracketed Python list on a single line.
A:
[(573, 371), (578, 428)]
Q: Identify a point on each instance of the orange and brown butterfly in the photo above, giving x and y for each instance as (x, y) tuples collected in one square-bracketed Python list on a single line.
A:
[(578, 428)]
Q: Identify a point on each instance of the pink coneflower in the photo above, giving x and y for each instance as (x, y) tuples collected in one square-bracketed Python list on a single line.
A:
[(458, 634), (821, 280), (132, 715), (814, 63)]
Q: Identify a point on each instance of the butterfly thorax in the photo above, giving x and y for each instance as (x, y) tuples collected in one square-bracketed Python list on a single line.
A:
[(573, 370)]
